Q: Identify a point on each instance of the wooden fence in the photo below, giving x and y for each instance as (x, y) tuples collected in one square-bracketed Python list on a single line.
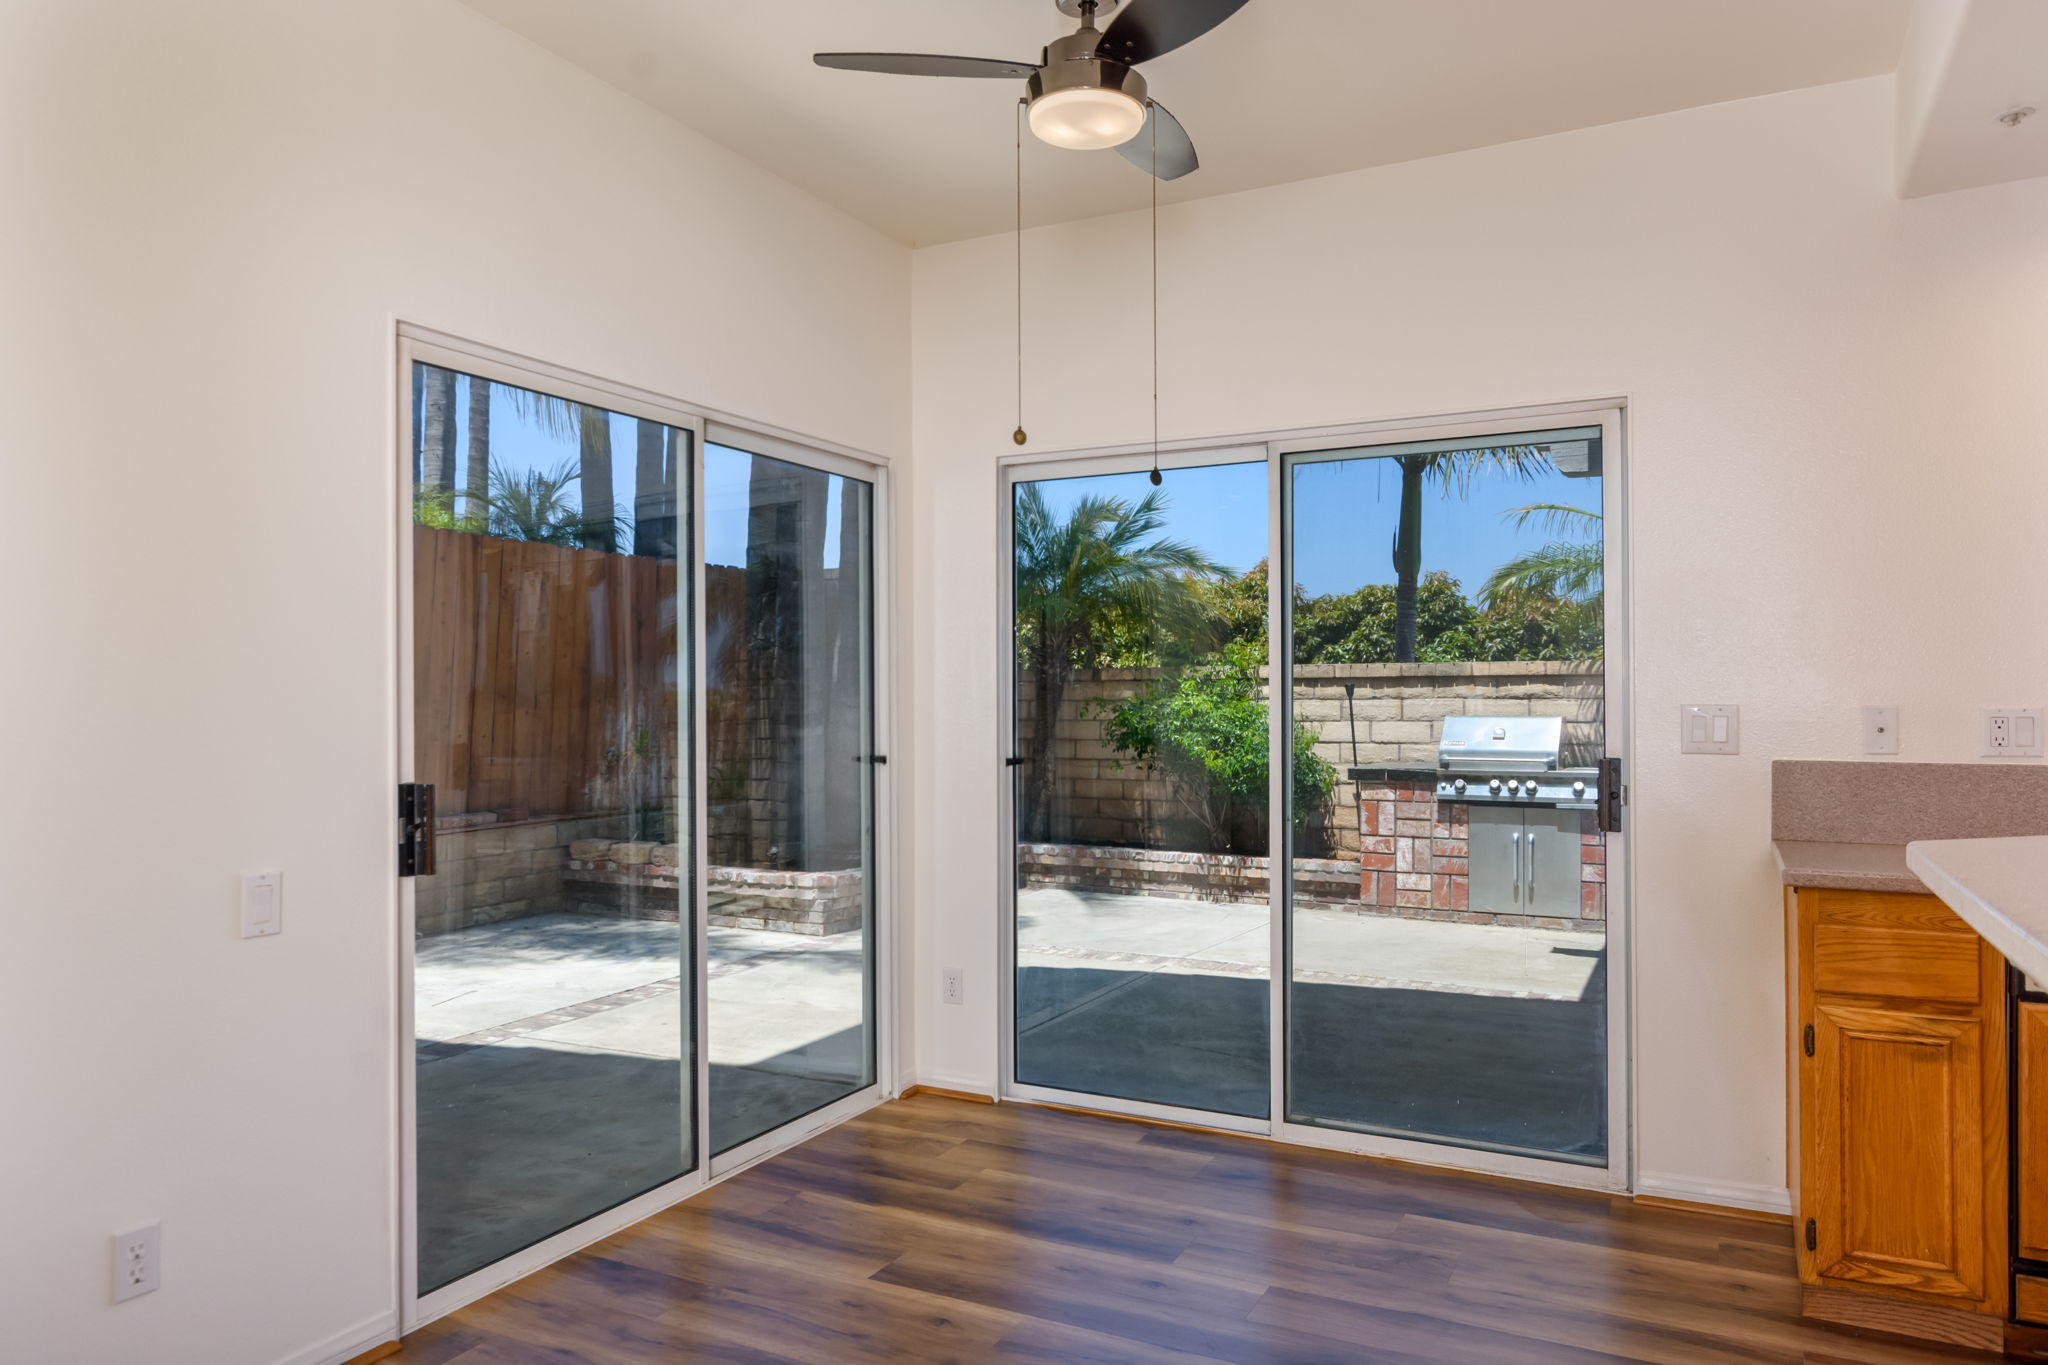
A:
[(545, 678)]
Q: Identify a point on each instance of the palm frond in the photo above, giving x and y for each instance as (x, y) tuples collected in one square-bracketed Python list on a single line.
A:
[(1563, 571), (1456, 469), (1555, 518)]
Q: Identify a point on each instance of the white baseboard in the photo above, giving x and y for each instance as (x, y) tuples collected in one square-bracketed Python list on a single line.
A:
[(960, 1083), (1726, 1193), (349, 1343)]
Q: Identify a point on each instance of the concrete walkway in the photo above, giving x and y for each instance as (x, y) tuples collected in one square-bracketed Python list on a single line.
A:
[(550, 1083)]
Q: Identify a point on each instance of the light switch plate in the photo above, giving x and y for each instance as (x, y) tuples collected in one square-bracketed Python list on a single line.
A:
[(262, 904), (1880, 729), (2013, 732), (1704, 729)]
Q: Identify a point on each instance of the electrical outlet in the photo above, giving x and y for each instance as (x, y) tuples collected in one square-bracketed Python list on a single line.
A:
[(138, 1259), (2014, 732), (955, 987)]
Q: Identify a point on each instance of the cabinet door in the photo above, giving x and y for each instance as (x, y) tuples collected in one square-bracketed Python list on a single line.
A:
[(2031, 1040), (1893, 1159), (1495, 850), (1550, 861)]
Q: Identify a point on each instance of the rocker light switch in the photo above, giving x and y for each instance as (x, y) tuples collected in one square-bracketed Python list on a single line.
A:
[(1709, 729), (262, 904)]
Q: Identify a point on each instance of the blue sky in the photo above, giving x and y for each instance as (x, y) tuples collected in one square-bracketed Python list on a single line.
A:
[(520, 445), (1344, 517), (1344, 509)]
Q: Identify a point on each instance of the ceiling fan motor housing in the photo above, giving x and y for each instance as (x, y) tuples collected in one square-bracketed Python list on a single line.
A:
[(1074, 63)]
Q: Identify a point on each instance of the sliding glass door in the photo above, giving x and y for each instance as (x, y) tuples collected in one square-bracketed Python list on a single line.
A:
[(1140, 787), (1423, 744), (1454, 989), (551, 971), (639, 815), (790, 757)]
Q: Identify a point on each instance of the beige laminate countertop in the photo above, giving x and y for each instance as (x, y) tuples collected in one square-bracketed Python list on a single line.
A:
[(1845, 867)]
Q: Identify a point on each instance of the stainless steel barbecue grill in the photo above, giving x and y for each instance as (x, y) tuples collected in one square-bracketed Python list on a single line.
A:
[(1524, 813), (1511, 759)]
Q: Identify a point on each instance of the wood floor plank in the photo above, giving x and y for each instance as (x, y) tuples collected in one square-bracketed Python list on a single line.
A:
[(937, 1230)]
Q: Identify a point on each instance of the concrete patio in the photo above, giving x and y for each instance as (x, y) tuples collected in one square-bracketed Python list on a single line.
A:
[(536, 1033)]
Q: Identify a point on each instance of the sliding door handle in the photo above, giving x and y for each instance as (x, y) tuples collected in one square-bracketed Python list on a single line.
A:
[(415, 829)]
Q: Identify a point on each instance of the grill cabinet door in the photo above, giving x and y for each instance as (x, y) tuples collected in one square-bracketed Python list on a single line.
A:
[(1550, 862), (1494, 848)]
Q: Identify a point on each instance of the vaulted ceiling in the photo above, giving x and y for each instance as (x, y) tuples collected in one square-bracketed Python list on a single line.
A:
[(1284, 90)]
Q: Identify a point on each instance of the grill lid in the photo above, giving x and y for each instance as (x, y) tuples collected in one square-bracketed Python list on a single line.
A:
[(1498, 744)]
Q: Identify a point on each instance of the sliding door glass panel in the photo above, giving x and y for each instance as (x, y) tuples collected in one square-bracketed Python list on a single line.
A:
[(789, 655), (1141, 787), (550, 967), (1446, 937)]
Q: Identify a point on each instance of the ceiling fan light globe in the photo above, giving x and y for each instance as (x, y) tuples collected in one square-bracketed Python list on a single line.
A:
[(1086, 119)]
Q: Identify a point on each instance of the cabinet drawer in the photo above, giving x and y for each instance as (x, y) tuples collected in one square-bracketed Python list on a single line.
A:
[(1883, 910), (2030, 1299), (1913, 964)]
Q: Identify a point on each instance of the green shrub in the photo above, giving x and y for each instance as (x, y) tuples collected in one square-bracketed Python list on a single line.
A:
[(1204, 729)]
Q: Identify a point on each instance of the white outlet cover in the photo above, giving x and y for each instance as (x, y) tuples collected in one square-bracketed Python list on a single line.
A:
[(138, 1262), (2013, 732), (1880, 729), (1709, 729)]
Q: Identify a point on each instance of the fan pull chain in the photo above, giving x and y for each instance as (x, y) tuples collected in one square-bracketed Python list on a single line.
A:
[(1018, 435), (1152, 122)]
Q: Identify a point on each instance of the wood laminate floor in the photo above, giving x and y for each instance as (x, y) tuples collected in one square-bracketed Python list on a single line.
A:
[(933, 1229)]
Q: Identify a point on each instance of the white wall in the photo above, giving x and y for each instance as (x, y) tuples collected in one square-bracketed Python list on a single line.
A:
[(1838, 411), (210, 214)]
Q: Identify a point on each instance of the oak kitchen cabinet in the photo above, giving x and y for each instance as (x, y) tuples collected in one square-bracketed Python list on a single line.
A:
[(1900, 1105)]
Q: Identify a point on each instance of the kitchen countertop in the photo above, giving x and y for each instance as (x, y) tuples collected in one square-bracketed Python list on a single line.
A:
[(1998, 886), (1845, 866)]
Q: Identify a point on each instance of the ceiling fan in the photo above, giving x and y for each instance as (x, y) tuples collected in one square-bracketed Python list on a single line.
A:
[(1084, 91)]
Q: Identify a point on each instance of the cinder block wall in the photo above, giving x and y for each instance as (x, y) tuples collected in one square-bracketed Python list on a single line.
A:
[(1393, 710)]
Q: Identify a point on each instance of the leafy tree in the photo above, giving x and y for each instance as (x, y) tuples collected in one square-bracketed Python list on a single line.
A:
[(1204, 729), (1098, 575)]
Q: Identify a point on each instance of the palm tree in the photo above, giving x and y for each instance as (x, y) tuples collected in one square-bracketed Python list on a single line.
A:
[(1454, 469), (477, 477), (538, 506), (1076, 578), (600, 518), (1564, 577), (435, 469)]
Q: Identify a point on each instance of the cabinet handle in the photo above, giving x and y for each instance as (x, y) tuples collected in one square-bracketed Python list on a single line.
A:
[(1532, 867), (1517, 892)]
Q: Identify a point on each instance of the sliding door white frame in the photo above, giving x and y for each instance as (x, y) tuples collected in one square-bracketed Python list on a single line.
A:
[(436, 348), (1609, 415)]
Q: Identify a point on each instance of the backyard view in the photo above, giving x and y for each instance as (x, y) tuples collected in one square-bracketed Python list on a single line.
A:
[(1426, 583), (551, 715)]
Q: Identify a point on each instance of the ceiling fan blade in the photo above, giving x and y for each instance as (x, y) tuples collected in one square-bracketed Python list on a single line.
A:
[(1143, 29), (1176, 149), (924, 64)]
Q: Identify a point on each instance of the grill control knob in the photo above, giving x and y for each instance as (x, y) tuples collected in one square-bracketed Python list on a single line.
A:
[(1494, 786), (1528, 786), (1578, 789), (1459, 786)]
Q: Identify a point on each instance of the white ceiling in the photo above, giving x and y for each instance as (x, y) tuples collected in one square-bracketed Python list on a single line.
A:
[(1284, 90)]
